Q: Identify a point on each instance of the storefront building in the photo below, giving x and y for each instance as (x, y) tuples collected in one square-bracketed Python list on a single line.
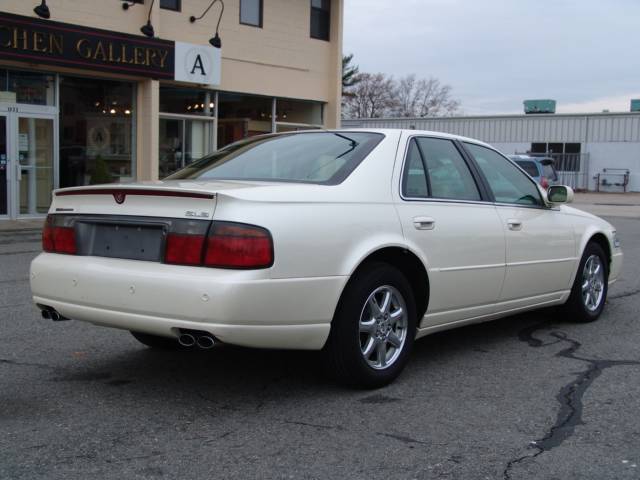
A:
[(86, 98)]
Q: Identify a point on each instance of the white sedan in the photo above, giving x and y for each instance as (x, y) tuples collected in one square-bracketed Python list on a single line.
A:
[(351, 242)]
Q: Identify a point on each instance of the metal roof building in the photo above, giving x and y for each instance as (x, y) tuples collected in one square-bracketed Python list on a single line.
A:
[(599, 151)]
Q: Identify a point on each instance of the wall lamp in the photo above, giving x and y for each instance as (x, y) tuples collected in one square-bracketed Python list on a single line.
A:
[(42, 10), (127, 3), (148, 28), (214, 41)]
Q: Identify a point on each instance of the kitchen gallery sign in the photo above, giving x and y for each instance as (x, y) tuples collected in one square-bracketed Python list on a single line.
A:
[(38, 41)]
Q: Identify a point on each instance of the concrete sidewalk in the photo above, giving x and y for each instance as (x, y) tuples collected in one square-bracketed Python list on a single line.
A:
[(7, 226), (609, 204)]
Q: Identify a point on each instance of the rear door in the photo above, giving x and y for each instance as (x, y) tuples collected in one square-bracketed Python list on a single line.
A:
[(445, 216), (541, 250)]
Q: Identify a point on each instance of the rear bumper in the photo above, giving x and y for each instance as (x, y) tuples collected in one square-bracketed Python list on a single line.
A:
[(238, 307)]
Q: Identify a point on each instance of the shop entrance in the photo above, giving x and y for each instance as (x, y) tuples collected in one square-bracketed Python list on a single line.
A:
[(27, 160)]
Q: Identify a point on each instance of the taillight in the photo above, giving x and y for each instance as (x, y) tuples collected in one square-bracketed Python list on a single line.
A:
[(544, 182), (184, 249), (58, 239), (236, 245)]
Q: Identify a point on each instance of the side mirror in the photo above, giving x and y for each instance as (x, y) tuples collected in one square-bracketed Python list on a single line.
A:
[(559, 194)]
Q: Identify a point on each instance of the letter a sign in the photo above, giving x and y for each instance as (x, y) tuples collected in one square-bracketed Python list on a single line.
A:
[(197, 64)]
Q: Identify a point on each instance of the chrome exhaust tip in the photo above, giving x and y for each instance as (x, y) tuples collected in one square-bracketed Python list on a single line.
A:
[(205, 342), (55, 316), (186, 340)]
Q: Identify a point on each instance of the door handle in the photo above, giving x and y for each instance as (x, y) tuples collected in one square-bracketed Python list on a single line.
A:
[(424, 223), (18, 172), (514, 224)]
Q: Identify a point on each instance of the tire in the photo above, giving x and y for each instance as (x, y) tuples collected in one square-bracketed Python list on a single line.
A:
[(157, 342), (589, 292), (360, 326)]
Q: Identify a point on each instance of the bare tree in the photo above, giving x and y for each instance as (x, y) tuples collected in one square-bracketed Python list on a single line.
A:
[(424, 98), (372, 97)]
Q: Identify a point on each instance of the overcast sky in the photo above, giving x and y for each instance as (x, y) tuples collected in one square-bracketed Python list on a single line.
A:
[(495, 53)]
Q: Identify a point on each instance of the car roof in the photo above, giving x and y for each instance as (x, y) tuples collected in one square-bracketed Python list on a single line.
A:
[(389, 131)]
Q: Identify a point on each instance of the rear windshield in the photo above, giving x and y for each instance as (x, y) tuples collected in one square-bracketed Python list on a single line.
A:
[(309, 157), (549, 172), (529, 167)]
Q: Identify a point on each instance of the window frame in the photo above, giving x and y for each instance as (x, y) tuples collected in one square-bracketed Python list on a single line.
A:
[(543, 204), (328, 12), (178, 9), (261, 24), (486, 197)]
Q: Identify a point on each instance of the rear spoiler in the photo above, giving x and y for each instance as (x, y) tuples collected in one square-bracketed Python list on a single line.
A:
[(547, 161)]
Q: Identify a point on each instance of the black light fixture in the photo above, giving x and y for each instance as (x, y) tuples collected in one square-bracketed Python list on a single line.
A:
[(42, 10), (215, 41), (148, 28), (127, 3)]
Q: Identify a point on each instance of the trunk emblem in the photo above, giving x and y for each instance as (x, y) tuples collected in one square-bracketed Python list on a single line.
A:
[(119, 197)]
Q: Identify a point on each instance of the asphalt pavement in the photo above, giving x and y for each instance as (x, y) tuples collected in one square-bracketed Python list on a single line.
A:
[(526, 397)]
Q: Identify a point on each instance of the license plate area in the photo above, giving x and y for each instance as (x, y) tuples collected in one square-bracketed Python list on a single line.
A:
[(121, 240)]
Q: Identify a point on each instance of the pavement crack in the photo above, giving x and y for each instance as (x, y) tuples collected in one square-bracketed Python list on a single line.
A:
[(404, 438), (314, 425), (7, 361), (570, 396)]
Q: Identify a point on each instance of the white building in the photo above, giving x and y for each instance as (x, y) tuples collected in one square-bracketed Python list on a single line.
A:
[(592, 151)]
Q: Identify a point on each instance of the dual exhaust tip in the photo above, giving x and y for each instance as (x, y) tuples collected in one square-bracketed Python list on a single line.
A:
[(193, 338), (49, 313)]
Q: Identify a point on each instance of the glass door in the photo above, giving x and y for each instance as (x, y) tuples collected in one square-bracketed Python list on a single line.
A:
[(35, 164), (4, 167)]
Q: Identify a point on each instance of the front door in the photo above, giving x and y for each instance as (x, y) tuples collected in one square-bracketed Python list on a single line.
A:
[(540, 241), (34, 165), (27, 151)]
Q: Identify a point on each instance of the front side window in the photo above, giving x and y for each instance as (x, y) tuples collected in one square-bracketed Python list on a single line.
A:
[(508, 183), (320, 19), (324, 158), (251, 12)]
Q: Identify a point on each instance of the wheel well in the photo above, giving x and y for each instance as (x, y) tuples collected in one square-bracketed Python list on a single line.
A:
[(602, 240), (411, 266)]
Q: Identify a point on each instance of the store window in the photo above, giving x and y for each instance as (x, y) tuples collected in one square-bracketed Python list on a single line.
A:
[(32, 88), (174, 5), (97, 138), (186, 134), (187, 101), (320, 19), (292, 115), (251, 12), (241, 116)]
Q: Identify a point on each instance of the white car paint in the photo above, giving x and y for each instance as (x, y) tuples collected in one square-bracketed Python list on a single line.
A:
[(478, 268)]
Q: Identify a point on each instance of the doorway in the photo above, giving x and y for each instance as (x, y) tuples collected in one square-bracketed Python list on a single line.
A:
[(27, 162)]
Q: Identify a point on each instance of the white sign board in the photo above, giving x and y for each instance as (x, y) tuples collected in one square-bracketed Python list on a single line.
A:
[(197, 63)]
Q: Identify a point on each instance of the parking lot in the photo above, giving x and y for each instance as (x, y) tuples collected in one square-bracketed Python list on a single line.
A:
[(526, 397)]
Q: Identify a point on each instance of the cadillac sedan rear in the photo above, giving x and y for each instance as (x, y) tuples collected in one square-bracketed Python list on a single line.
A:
[(204, 256)]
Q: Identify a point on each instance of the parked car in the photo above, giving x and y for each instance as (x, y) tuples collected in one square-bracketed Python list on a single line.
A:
[(541, 169), (351, 242)]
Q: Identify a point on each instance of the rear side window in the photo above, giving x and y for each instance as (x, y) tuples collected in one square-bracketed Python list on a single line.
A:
[(528, 166), (435, 168), (508, 183), (414, 180)]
